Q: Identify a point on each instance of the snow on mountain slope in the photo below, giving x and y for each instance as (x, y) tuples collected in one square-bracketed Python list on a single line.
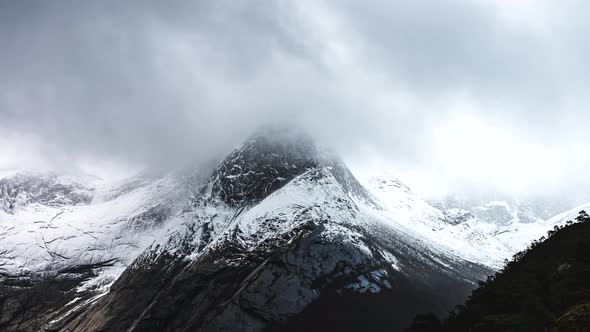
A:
[(53, 223), (520, 236), (402, 208), (515, 236), (487, 233), (505, 209)]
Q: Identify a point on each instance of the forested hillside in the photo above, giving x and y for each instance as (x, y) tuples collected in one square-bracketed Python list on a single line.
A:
[(544, 288)]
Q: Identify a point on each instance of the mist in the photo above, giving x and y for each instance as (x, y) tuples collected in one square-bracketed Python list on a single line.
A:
[(451, 95)]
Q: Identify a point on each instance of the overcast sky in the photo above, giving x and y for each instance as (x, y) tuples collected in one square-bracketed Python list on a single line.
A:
[(449, 93)]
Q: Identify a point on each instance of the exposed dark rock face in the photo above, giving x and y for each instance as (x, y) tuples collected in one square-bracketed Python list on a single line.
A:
[(269, 160), (152, 217), (21, 190), (286, 284), (30, 300), (261, 166), (126, 187)]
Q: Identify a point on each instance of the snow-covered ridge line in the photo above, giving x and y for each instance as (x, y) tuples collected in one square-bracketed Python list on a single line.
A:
[(483, 232)]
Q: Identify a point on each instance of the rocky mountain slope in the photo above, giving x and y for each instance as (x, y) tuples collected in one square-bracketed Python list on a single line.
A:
[(279, 232)]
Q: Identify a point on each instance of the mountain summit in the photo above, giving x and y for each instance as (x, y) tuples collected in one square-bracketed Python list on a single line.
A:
[(270, 159)]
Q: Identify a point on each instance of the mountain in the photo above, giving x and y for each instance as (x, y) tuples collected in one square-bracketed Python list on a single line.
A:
[(481, 230), (545, 288), (280, 236), (72, 220), (65, 239), (504, 209)]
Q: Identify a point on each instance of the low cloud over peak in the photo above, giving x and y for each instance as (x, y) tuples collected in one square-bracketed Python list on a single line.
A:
[(488, 93)]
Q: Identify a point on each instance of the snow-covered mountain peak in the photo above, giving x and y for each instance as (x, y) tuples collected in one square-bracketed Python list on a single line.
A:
[(267, 161), (260, 166), (279, 216)]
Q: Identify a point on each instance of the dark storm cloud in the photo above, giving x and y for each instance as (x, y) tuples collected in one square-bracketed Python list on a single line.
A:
[(171, 81), (133, 78), (154, 81)]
